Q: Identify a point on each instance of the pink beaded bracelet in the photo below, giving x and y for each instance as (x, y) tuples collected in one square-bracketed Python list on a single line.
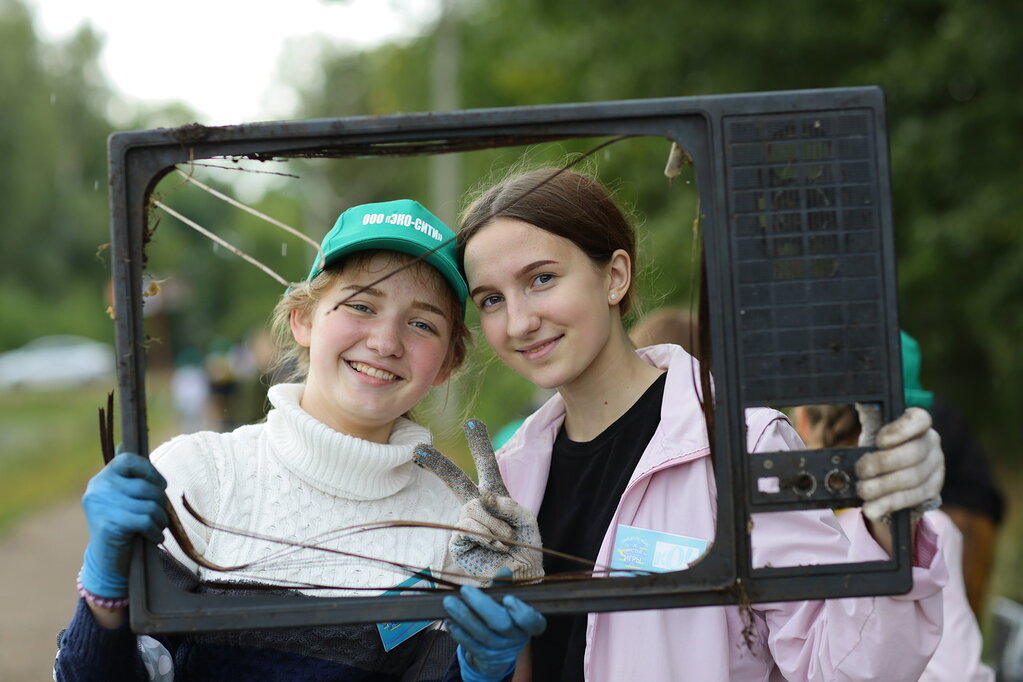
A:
[(96, 600)]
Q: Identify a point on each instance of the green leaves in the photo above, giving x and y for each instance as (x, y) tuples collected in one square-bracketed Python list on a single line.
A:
[(950, 69)]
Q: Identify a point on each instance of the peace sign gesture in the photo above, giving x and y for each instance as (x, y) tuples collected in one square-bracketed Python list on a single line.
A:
[(489, 516)]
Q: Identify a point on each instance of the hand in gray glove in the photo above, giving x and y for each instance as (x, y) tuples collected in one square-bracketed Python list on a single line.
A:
[(908, 469), (487, 511)]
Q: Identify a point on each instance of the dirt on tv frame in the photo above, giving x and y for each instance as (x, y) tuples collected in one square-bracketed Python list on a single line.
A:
[(794, 190)]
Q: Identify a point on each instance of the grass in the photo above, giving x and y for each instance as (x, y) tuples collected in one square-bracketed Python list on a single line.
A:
[(49, 446)]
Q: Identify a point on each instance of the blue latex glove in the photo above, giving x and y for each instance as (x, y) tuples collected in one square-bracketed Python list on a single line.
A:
[(123, 500), (490, 635)]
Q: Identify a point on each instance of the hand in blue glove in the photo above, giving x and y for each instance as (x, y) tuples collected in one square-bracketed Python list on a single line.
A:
[(123, 500), (490, 635)]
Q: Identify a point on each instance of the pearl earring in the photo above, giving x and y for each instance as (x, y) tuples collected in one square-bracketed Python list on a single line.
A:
[(613, 296)]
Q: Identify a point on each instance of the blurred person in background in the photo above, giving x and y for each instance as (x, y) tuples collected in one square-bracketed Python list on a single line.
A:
[(957, 658), (970, 496), (190, 391), (971, 493), (222, 374), (667, 325)]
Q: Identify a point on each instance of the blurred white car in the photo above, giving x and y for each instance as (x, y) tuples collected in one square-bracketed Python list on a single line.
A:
[(59, 361)]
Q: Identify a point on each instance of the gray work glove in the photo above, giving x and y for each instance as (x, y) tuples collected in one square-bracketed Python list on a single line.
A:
[(488, 516), (908, 469)]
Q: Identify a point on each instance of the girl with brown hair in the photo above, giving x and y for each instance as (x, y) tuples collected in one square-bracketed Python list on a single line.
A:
[(550, 260)]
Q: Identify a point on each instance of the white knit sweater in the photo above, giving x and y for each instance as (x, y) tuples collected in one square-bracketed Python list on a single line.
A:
[(294, 478)]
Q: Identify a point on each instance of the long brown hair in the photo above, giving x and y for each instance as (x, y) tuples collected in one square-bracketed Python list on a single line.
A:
[(564, 202)]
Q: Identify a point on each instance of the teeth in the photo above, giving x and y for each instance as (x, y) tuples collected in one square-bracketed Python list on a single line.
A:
[(373, 371), (538, 348)]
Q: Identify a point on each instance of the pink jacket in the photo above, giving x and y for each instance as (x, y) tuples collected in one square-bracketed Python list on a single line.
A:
[(672, 490), (957, 658)]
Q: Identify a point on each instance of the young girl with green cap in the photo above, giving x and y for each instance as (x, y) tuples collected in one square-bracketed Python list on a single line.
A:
[(335, 451), (621, 455)]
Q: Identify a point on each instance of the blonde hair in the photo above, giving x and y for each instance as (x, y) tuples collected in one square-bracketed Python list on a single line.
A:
[(291, 359)]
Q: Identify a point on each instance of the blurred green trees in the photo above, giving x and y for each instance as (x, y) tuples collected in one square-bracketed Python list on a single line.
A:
[(952, 73), (950, 68), (53, 196)]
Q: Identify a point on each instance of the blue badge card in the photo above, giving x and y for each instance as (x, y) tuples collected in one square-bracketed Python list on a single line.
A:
[(393, 634), (652, 551)]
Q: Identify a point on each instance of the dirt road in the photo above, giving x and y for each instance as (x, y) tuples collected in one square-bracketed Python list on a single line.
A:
[(39, 559)]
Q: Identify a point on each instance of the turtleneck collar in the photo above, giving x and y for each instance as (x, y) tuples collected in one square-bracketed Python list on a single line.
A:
[(334, 462)]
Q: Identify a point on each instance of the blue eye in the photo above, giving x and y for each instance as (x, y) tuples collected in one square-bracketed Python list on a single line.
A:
[(543, 278), (360, 307), (489, 301), (424, 326)]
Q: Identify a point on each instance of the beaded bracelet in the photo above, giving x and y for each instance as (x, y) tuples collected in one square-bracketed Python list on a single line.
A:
[(96, 600)]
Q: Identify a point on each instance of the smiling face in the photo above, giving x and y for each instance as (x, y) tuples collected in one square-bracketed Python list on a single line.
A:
[(374, 356), (545, 306)]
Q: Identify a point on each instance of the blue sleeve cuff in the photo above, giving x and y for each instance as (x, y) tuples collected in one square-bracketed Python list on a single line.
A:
[(88, 651)]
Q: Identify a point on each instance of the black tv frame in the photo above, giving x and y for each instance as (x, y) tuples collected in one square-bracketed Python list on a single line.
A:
[(795, 203)]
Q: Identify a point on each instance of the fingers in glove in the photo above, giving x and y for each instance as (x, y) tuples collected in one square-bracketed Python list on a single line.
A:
[(489, 534), (913, 424), (519, 518), (914, 475), (903, 456), (485, 620), (494, 518), (130, 465), (909, 472), (109, 491), (467, 629), (502, 577), (447, 471), (117, 487), (870, 423), (143, 517), (482, 450), (461, 635), (908, 498), (525, 617)]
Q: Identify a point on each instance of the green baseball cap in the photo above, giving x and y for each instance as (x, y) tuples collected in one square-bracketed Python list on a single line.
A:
[(915, 394), (403, 225)]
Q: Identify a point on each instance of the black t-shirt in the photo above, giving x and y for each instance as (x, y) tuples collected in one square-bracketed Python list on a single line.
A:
[(968, 479), (584, 486)]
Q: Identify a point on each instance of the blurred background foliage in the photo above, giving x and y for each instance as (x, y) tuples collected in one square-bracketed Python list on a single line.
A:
[(950, 69)]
